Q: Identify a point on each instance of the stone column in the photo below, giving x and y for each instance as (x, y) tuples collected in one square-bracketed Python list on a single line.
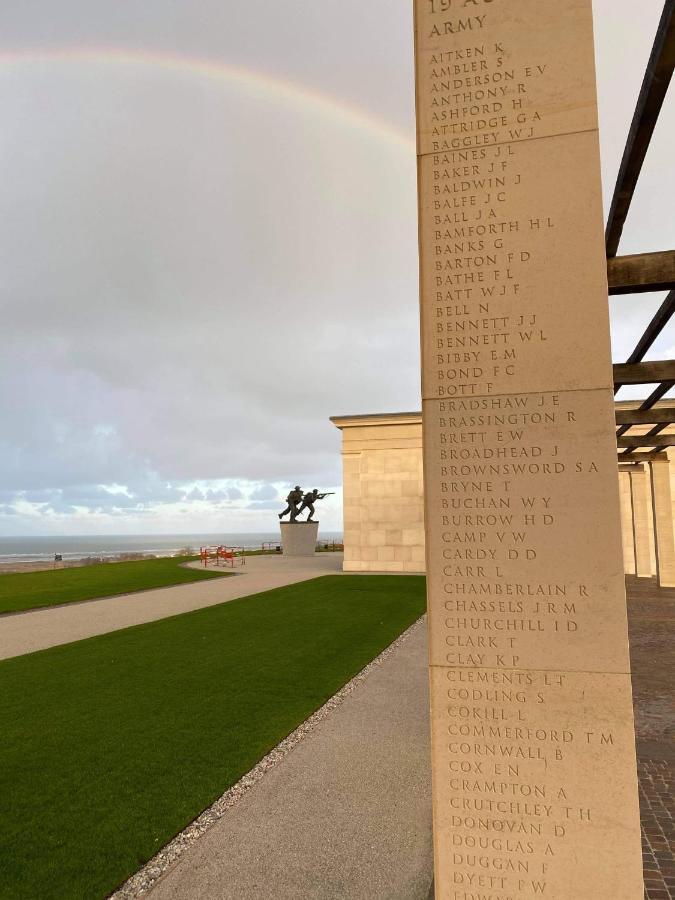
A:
[(533, 751), (627, 535), (641, 502), (663, 523)]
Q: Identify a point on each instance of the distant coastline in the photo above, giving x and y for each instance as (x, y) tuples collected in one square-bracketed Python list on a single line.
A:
[(34, 553)]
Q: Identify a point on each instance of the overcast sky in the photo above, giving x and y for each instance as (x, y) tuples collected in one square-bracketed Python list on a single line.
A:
[(208, 247)]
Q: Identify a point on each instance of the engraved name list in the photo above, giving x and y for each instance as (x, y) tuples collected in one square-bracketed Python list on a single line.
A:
[(532, 730)]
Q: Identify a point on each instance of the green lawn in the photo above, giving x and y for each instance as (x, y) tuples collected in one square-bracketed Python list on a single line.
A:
[(110, 746), (28, 590)]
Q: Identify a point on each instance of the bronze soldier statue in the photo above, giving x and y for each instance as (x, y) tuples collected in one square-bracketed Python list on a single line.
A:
[(308, 502), (293, 499)]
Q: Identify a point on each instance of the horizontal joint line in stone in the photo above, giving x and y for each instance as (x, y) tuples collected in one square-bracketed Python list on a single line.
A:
[(523, 669), (521, 394), (543, 137)]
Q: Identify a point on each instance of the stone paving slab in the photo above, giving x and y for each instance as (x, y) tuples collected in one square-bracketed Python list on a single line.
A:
[(651, 621), (657, 811), (38, 629), (347, 814)]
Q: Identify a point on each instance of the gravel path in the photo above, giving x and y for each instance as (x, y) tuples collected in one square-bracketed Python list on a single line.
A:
[(39, 629)]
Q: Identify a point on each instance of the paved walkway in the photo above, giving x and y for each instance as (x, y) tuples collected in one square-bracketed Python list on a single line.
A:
[(36, 630), (346, 815), (651, 620)]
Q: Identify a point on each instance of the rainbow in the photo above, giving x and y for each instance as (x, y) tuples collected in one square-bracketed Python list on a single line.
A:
[(347, 114)]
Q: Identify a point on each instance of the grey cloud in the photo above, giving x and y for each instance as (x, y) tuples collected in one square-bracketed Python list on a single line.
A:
[(196, 275), (265, 492), (264, 504), (208, 340)]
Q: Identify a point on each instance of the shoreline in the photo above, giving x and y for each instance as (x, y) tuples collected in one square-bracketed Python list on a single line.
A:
[(16, 568)]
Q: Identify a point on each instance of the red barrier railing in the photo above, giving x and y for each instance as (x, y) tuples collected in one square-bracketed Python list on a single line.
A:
[(227, 556)]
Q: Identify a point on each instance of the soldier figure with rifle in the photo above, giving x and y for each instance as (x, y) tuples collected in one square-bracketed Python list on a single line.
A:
[(308, 502), (294, 498)]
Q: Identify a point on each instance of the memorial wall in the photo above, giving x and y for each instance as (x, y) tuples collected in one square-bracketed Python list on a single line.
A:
[(533, 759), (383, 492), (384, 498)]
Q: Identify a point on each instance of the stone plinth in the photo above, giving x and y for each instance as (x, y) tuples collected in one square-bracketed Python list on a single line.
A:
[(299, 538), (533, 755)]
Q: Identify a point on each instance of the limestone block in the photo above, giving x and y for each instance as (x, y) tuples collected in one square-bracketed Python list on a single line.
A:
[(572, 727), (412, 537), (546, 168), (560, 560), (377, 488), (369, 554), (419, 554), (412, 488), (351, 463), (351, 490), (373, 514), (403, 554), (351, 517), (372, 462), (552, 57), (394, 463), (373, 537)]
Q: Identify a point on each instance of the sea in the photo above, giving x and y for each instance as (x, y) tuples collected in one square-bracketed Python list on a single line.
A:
[(76, 547)]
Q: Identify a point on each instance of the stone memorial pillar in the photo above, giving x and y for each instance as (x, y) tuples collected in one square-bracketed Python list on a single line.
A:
[(626, 504), (663, 522), (534, 772), (641, 493)]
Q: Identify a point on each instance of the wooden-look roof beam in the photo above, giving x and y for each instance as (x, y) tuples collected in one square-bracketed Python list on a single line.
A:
[(651, 372), (641, 272), (643, 457), (663, 416), (657, 394), (654, 86), (654, 329), (643, 440)]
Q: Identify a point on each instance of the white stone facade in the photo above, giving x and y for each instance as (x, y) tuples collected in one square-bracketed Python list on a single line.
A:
[(384, 500)]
